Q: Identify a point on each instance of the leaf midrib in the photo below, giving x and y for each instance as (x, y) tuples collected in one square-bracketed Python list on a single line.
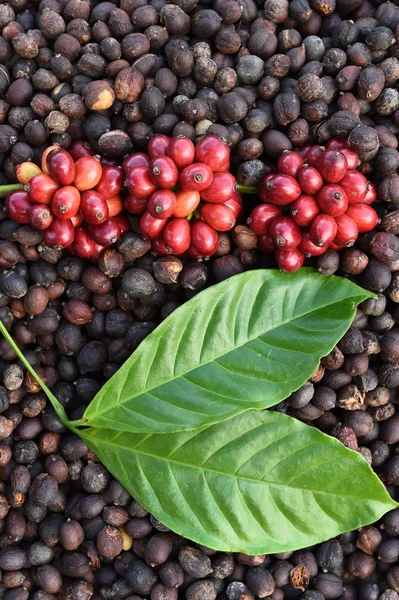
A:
[(230, 475), (149, 389)]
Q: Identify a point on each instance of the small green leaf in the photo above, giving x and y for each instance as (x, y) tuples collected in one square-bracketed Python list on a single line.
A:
[(245, 343), (258, 483), (59, 409)]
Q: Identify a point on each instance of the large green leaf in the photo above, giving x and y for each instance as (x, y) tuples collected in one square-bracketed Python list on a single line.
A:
[(245, 343), (258, 483)]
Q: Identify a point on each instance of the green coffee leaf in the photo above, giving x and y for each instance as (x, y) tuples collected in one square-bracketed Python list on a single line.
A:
[(258, 483), (246, 343)]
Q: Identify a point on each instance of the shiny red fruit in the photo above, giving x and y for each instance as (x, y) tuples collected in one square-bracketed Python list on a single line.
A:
[(135, 205), (332, 200), (347, 231), (262, 216), (213, 152), (204, 239), (164, 172), (115, 205), (94, 208), (285, 234), (111, 182), (88, 173), (313, 155), (123, 223), (60, 166), (352, 157), (195, 177), (310, 180), (265, 244), (151, 228), (98, 250), (40, 216), (218, 216), (158, 145), (291, 261), (77, 220), (137, 159), (161, 204), (222, 188), (60, 234), (158, 246), (41, 189), (80, 148), (323, 230), (177, 236), (290, 163), (182, 151), (337, 144), (107, 233), (139, 182), (65, 203), (371, 194), (45, 155), (308, 247), (235, 204), (332, 165), (303, 210), (84, 245), (106, 161), (186, 203), (364, 216), (303, 150), (281, 189), (355, 186), (17, 206)]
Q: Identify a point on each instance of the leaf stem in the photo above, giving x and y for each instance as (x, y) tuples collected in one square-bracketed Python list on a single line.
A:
[(11, 187), (59, 409), (245, 189)]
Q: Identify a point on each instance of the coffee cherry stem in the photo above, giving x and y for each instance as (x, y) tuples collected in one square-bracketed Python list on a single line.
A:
[(11, 187), (244, 189)]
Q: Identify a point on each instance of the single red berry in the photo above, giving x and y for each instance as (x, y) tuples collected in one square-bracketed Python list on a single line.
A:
[(352, 157), (355, 186), (40, 216), (41, 189), (332, 200), (313, 155), (186, 203), (80, 148), (45, 155), (323, 230), (17, 205), (158, 145), (65, 203), (161, 204), (285, 234), (204, 238), (139, 182), (291, 261), (290, 163), (213, 152), (177, 236), (88, 173), (195, 177), (115, 205), (111, 182), (332, 165), (137, 159), (262, 216), (218, 216), (281, 189), (84, 245), (150, 227), (265, 244), (235, 204), (158, 246), (193, 253), (123, 223), (77, 220), (59, 235), (303, 210), (164, 172), (98, 251), (262, 191), (222, 188), (337, 144), (347, 231), (310, 180), (93, 207), (106, 161), (364, 216), (308, 247), (135, 205), (371, 194), (60, 166), (182, 151), (105, 234)]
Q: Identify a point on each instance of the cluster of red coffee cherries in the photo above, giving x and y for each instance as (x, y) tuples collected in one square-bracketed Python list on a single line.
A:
[(73, 199), (326, 202), (184, 194)]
